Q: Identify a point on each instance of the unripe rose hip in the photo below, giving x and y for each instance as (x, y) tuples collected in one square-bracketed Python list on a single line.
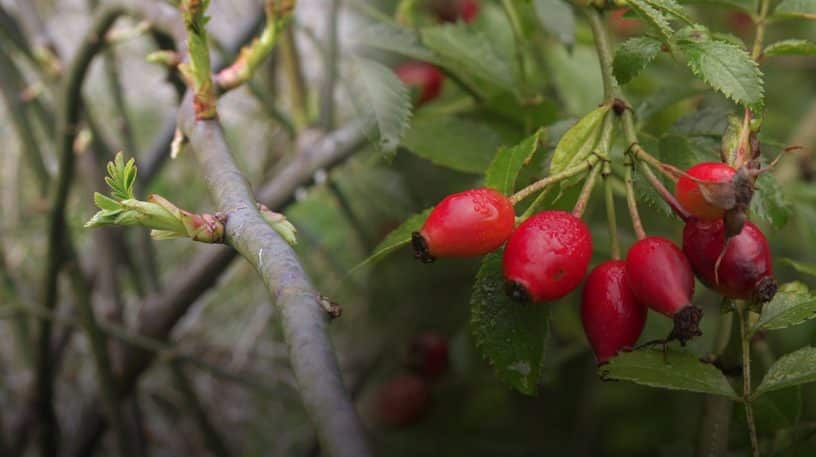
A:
[(469, 223), (660, 277), (745, 270), (402, 401), (612, 318), (423, 77), (547, 256), (690, 195)]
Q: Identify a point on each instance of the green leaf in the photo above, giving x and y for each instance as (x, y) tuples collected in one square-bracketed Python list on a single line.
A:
[(462, 49), (801, 267), (508, 162), (398, 238), (385, 37), (557, 17), (798, 367), (452, 142), (383, 100), (679, 371), (510, 335), (770, 203), (633, 56), (672, 8), (726, 68), (749, 6), (579, 141), (710, 121), (653, 17), (793, 304), (801, 9), (776, 410), (576, 76), (791, 48), (106, 203)]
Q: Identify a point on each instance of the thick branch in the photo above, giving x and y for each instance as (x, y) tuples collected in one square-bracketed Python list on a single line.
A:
[(303, 320)]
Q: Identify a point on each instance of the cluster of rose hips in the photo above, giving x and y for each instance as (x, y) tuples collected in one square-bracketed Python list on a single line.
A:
[(546, 257), (404, 399)]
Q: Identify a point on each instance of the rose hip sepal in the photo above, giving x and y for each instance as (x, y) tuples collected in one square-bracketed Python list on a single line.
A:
[(660, 277), (469, 223), (425, 78), (697, 189), (745, 268), (546, 257), (612, 317)]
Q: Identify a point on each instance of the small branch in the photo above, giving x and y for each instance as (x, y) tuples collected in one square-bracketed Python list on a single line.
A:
[(331, 73), (586, 191), (209, 433), (294, 74), (631, 201), (611, 216), (667, 196), (278, 15), (553, 179), (746, 378), (197, 70)]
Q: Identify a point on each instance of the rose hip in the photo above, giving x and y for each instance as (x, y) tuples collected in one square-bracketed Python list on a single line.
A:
[(425, 78), (690, 195)]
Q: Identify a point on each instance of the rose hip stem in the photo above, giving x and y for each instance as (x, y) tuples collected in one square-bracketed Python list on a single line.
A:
[(586, 191), (552, 179), (637, 225), (667, 196)]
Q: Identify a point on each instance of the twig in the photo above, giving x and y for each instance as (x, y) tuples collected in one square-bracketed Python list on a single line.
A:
[(209, 433), (294, 74), (746, 377), (631, 202), (330, 76)]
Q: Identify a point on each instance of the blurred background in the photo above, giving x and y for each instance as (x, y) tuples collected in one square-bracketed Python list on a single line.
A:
[(228, 361)]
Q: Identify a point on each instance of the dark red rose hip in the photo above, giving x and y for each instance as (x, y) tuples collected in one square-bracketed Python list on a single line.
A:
[(612, 318), (745, 266), (469, 223), (547, 256), (660, 277)]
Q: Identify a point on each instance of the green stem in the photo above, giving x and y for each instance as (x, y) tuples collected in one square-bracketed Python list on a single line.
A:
[(198, 70), (586, 191), (631, 201), (761, 23), (553, 179), (746, 378), (294, 74), (518, 33), (611, 217)]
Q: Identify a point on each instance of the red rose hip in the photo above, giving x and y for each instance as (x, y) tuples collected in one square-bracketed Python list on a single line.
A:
[(660, 277), (612, 318), (745, 267), (688, 190), (429, 355), (547, 256), (425, 78), (469, 223), (402, 401)]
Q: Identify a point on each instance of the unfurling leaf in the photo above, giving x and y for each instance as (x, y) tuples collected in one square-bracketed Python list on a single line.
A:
[(398, 238)]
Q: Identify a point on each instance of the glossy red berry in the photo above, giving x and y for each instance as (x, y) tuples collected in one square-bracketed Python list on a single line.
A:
[(423, 77), (402, 401), (612, 318), (547, 256), (745, 270), (468, 223), (691, 197), (429, 354), (660, 277)]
